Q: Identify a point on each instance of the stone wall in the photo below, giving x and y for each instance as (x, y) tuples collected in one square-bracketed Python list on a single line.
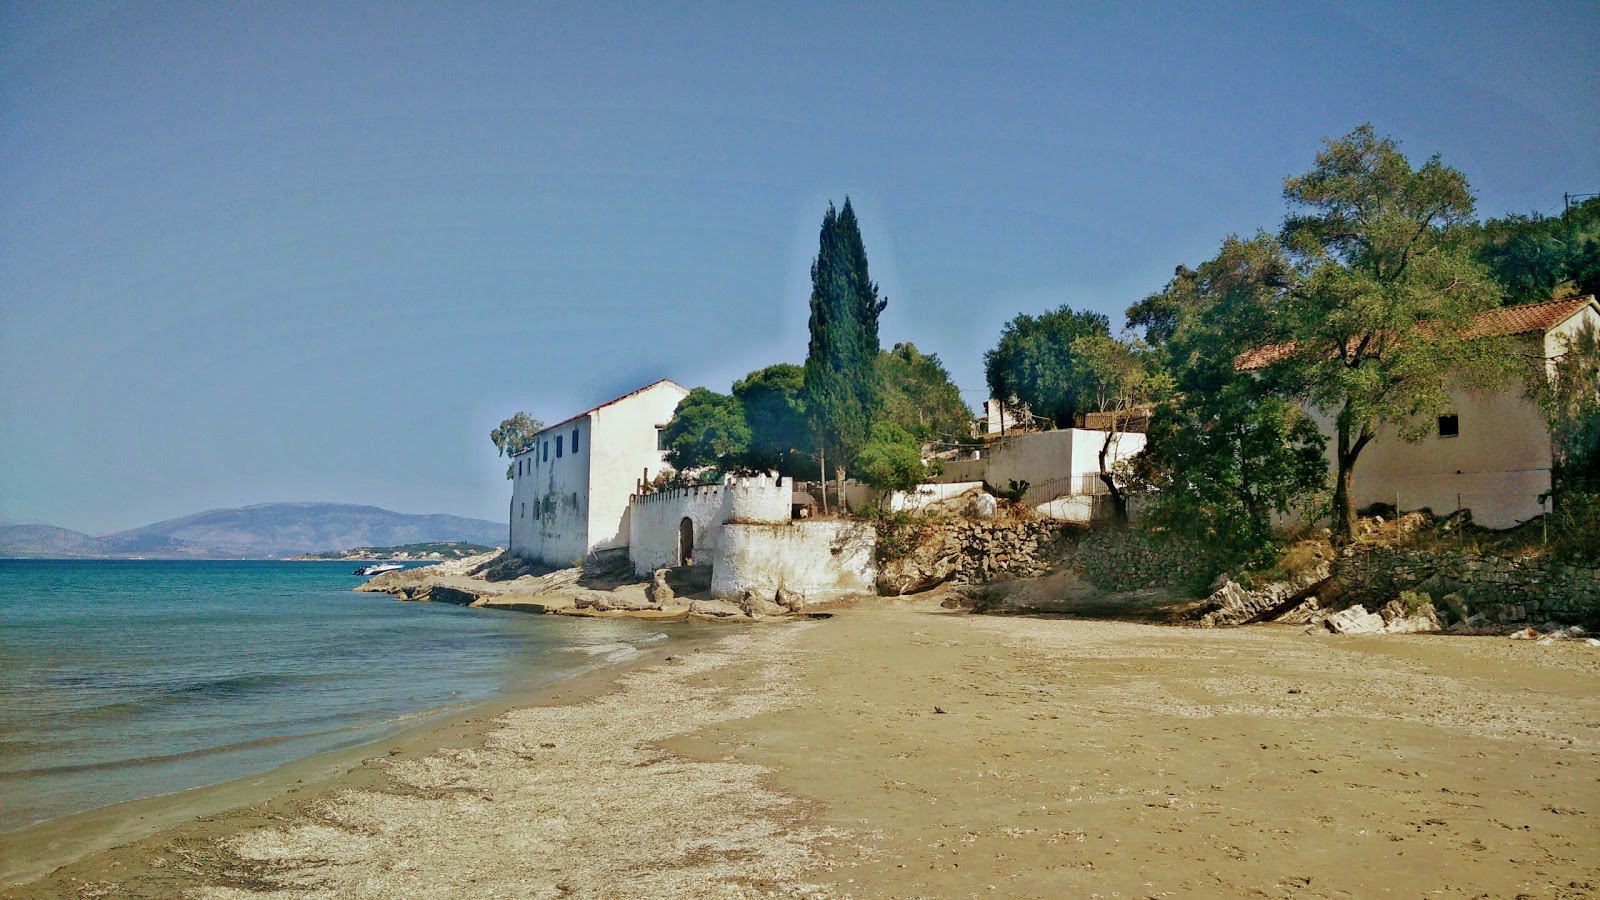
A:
[(1122, 559), (818, 559), (969, 551), (1505, 590)]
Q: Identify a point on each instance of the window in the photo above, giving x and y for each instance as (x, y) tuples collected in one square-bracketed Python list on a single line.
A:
[(546, 451), (1449, 426), (558, 446), (574, 440), (661, 438), (524, 510), (520, 461)]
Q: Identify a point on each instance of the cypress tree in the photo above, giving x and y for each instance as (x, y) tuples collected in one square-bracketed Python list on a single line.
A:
[(841, 386)]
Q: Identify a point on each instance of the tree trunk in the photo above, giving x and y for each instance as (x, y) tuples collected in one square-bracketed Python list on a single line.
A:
[(822, 475), (1344, 497), (1119, 504)]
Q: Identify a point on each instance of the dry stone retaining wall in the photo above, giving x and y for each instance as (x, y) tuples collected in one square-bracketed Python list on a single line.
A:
[(1505, 590), (1122, 559)]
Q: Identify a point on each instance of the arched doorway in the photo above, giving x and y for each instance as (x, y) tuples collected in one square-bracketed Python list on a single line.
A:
[(686, 541)]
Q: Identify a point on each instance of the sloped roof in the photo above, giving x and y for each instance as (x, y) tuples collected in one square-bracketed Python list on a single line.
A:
[(594, 409), (1505, 321)]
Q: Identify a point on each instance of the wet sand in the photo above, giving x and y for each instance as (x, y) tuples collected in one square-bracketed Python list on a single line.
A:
[(907, 751)]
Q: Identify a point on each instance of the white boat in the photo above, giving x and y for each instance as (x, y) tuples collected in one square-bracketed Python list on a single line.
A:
[(376, 568)]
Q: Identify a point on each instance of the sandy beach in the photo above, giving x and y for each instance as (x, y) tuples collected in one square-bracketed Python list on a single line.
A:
[(907, 751)]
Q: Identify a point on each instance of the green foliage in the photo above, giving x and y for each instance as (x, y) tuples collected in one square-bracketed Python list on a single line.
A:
[(919, 396), (1571, 400), (774, 409), (515, 435), (891, 461), (1382, 297), (841, 385), (1532, 256), (1015, 490), (898, 532), (1575, 525), (707, 429), (1033, 361), (1220, 465)]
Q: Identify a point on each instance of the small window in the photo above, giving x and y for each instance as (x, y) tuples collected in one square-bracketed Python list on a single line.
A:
[(574, 440), (546, 451), (524, 510), (520, 462), (558, 446), (661, 438), (1449, 426)]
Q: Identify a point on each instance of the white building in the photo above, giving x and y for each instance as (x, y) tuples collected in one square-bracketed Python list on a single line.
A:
[(1493, 455), (1055, 464), (570, 488)]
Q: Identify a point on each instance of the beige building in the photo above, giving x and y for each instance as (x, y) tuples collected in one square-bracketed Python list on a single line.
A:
[(570, 489), (1493, 455)]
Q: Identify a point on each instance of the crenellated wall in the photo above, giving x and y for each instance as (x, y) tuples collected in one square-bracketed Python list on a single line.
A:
[(654, 520)]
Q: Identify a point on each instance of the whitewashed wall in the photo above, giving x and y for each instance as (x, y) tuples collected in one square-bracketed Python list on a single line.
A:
[(624, 451), (654, 519), (1497, 466), (1043, 457), (820, 559), (550, 499)]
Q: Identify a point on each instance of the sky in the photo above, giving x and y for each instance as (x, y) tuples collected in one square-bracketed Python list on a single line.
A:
[(267, 252)]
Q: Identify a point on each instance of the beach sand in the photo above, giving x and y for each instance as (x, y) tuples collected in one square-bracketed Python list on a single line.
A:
[(900, 750)]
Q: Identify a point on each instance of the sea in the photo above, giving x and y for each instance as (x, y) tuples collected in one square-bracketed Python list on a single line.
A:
[(124, 679)]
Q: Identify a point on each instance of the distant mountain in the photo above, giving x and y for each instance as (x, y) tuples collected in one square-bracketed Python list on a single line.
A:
[(261, 531), (46, 540)]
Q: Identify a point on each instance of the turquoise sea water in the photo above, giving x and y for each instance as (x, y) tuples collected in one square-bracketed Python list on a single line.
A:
[(122, 679)]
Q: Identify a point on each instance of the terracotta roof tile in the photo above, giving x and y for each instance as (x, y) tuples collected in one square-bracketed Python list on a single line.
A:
[(1507, 320)]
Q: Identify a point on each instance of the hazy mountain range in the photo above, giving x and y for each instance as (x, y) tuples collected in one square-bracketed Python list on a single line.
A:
[(266, 530)]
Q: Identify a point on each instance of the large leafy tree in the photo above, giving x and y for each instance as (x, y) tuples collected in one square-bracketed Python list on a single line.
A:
[(515, 435), (707, 429), (1378, 312), (1033, 361), (891, 461), (1224, 453), (841, 385), (774, 410), (1534, 255), (919, 396)]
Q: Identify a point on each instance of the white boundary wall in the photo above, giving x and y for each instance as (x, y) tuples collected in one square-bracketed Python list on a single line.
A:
[(818, 559)]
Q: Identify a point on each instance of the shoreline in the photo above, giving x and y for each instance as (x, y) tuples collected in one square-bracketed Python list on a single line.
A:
[(32, 852), (900, 749)]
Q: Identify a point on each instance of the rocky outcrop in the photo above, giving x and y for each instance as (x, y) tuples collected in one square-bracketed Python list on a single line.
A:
[(1232, 604), (966, 551), (1355, 620), (1407, 614)]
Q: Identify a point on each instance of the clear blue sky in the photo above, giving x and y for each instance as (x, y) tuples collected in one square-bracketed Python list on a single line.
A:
[(275, 251)]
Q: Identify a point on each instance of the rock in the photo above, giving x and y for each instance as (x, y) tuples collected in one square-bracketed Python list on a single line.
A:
[(1526, 634), (754, 605), (1592, 642), (985, 506), (605, 601), (1355, 620), (717, 608), (793, 601), (1424, 619), (659, 591)]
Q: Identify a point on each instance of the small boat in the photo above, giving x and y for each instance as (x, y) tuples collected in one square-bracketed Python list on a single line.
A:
[(376, 568)]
